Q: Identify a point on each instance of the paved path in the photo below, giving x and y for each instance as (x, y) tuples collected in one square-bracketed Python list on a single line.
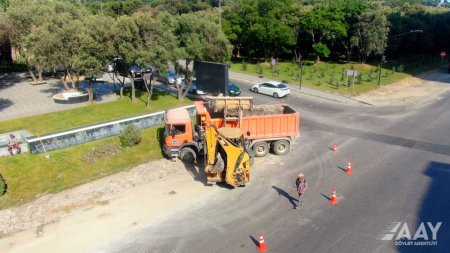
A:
[(19, 98)]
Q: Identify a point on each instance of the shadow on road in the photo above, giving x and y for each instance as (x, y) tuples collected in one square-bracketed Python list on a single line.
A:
[(256, 242), (325, 196), (11, 79), (52, 91), (435, 208), (196, 171), (4, 103), (340, 167), (283, 193)]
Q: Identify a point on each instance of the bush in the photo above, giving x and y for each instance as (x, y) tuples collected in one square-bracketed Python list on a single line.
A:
[(244, 66), (359, 79), (291, 73), (130, 136), (2, 186), (259, 69)]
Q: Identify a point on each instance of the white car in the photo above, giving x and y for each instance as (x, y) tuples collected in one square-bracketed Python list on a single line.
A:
[(271, 88)]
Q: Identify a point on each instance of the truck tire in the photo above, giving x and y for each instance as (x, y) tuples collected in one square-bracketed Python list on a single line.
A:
[(188, 155), (281, 147), (260, 149)]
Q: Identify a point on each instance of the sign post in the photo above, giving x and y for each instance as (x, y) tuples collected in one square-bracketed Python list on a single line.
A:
[(273, 62), (300, 75), (443, 54)]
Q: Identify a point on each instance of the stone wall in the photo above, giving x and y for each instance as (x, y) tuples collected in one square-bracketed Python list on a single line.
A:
[(77, 136)]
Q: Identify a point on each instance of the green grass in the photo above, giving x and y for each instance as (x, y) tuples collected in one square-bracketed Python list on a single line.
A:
[(30, 176), (320, 75), (91, 114)]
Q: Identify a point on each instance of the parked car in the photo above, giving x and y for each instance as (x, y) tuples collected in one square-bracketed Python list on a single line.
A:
[(233, 90), (138, 71), (271, 88), (119, 65), (171, 78)]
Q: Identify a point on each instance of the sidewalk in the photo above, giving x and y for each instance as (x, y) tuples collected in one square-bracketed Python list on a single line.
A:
[(304, 90), (19, 98)]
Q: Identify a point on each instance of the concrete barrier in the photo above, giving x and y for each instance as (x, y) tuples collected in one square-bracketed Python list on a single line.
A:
[(77, 136)]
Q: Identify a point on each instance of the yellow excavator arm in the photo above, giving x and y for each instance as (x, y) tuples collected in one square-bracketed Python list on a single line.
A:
[(226, 157)]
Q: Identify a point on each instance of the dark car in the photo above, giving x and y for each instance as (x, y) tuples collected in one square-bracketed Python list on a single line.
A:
[(233, 90), (139, 71), (118, 65)]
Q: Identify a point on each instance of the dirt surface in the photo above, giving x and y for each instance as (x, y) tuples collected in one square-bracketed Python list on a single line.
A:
[(122, 200), (409, 90), (96, 212)]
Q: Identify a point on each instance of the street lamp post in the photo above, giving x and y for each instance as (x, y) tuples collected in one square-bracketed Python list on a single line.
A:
[(383, 57)]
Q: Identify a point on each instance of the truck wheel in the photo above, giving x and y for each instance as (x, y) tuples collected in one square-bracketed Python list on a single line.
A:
[(261, 149), (188, 155), (281, 147)]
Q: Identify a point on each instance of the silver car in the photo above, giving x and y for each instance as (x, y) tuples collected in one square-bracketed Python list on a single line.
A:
[(271, 88)]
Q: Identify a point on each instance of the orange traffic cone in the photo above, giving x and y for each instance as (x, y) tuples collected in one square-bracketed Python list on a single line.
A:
[(334, 148), (349, 168), (333, 199), (262, 246)]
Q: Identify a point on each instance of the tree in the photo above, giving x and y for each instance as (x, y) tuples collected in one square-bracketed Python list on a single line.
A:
[(24, 15), (261, 27), (199, 39), (5, 38), (127, 44), (157, 47), (351, 10), (94, 48), (323, 24), (371, 33), (320, 50)]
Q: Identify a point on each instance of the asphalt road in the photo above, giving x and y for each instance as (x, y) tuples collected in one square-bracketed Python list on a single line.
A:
[(401, 172)]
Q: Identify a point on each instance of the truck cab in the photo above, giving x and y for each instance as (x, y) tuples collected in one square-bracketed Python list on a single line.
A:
[(178, 132)]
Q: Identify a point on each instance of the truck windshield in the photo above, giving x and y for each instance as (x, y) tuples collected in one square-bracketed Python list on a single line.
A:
[(174, 129)]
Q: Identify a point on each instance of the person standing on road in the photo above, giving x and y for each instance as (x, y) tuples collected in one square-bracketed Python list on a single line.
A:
[(300, 187), (13, 144)]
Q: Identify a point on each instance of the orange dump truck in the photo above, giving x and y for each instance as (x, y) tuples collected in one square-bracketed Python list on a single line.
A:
[(265, 127)]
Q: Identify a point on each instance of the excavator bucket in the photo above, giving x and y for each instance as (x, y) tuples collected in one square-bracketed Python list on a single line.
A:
[(219, 166)]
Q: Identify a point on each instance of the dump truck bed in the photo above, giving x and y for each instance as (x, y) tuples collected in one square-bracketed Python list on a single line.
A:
[(264, 121)]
